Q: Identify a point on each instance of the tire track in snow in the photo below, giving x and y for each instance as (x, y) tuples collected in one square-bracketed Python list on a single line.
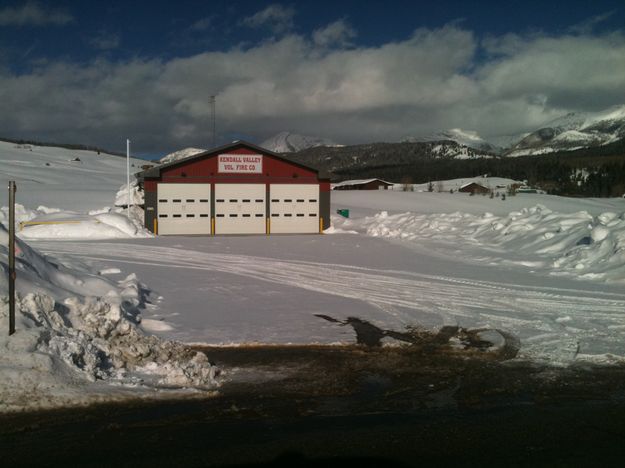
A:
[(408, 297)]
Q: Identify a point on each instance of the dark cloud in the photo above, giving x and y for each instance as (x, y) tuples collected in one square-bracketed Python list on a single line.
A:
[(346, 93)]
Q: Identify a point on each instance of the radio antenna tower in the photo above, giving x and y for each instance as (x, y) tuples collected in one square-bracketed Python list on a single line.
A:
[(211, 101)]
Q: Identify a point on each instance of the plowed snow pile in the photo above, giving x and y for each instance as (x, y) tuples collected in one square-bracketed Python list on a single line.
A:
[(102, 223), (571, 244), (77, 339)]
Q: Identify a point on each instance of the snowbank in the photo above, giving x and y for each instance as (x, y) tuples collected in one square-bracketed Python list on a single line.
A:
[(77, 338), (53, 223), (574, 244), (136, 195), (180, 154)]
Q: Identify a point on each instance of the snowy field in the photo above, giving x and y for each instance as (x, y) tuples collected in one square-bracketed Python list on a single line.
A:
[(101, 300), (552, 278), (61, 178)]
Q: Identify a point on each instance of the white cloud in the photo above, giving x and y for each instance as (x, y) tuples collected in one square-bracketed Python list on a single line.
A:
[(430, 81), (587, 26), (570, 71), (105, 41), (277, 17), (33, 14), (337, 33), (203, 24)]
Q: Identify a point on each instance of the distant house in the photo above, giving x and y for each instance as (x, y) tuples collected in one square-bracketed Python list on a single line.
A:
[(473, 187), (526, 189), (365, 184)]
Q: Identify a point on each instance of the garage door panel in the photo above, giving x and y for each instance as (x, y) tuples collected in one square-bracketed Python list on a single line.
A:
[(294, 208), (240, 209), (184, 208)]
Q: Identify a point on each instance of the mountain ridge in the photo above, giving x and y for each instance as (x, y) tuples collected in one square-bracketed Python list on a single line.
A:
[(287, 142)]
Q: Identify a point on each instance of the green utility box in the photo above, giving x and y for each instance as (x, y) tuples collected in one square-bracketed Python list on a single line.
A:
[(344, 213)]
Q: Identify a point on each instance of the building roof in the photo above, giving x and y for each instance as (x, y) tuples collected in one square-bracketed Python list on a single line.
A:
[(359, 182), (155, 172), (472, 183)]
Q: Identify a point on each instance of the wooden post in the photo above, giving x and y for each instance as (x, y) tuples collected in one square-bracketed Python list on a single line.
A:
[(12, 189), (128, 176)]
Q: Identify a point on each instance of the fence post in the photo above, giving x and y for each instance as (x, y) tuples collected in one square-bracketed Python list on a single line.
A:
[(12, 189)]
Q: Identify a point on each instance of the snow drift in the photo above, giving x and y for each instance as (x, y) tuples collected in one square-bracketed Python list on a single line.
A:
[(54, 223), (180, 154), (572, 244), (77, 333)]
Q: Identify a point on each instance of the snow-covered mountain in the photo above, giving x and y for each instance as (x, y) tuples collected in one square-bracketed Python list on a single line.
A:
[(466, 138), (286, 142), (454, 150), (573, 131), (180, 154)]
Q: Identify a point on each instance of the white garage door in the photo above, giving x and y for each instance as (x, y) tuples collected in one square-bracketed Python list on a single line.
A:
[(184, 208), (294, 208), (240, 209)]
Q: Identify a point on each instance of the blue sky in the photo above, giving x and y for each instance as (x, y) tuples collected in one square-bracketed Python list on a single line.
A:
[(351, 71)]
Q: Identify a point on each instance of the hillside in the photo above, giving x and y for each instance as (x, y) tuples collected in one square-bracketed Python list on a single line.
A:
[(59, 177), (180, 154), (287, 142), (463, 137), (70, 146), (603, 167), (343, 162)]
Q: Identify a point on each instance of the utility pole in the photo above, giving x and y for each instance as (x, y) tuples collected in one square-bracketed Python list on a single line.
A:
[(12, 188), (128, 175), (211, 101)]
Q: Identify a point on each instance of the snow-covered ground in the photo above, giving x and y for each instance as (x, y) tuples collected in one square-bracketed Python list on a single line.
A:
[(549, 270), (74, 180), (78, 338), (516, 272), (78, 332), (420, 201)]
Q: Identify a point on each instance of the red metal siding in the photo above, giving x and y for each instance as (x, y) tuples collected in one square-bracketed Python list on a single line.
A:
[(206, 171), (150, 185)]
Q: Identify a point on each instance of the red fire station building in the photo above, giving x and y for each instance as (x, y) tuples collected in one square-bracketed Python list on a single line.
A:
[(238, 188)]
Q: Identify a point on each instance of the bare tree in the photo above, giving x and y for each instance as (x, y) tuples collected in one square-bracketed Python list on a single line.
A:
[(406, 184)]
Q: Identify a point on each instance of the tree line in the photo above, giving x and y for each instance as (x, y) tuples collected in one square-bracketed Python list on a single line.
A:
[(588, 172), (69, 146)]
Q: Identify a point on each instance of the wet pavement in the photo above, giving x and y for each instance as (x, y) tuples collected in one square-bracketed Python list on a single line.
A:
[(420, 404)]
